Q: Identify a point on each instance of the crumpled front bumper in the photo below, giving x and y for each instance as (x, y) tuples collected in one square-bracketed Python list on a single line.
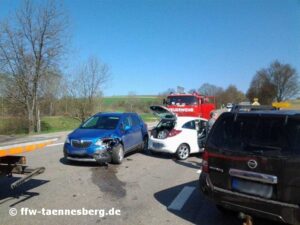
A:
[(100, 156)]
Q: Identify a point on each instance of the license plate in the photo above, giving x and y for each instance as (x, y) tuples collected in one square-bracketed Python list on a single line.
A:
[(252, 188), (79, 152), (157, 145)]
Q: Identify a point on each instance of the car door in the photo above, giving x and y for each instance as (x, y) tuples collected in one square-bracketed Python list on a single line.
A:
[(136, 130), (191, 135), (128, 134)]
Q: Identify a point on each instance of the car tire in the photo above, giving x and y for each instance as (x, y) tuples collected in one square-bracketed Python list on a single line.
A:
[(118, 154), (183, 151), (144, 147), (67, 161)]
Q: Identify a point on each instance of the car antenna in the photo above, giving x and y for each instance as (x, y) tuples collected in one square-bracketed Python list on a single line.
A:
[(235, 116), (286, 120)]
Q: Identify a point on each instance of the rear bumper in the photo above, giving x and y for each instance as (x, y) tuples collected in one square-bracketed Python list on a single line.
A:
[(256, 206), (162, 145)]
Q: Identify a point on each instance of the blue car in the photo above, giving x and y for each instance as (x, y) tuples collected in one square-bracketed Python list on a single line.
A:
[(106, 137)]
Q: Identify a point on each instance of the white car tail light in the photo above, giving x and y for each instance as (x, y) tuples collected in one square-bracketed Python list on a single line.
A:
[(174, 133)]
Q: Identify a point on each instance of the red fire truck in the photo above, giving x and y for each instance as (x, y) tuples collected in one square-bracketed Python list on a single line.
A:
[(190, 104)]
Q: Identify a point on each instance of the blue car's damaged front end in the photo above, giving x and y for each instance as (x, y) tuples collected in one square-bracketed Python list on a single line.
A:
[(90, 149), (93, 143), (106, 137)]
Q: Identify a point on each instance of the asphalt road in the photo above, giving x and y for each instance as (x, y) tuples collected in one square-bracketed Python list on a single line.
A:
[(146, 189)]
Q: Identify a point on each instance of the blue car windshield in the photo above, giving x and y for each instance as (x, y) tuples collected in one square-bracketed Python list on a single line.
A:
[(101, 122)]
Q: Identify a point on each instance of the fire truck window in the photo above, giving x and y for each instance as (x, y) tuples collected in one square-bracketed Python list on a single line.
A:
[(182, 100)]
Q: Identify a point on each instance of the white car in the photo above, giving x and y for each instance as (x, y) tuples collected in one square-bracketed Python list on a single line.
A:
[(177, 135)]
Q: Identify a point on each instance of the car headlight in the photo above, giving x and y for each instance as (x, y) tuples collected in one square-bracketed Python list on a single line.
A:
[(67, 140), (99, 142)]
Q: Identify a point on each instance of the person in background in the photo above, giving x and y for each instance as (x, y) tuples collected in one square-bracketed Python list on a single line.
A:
[(212, 120), (255, 101)]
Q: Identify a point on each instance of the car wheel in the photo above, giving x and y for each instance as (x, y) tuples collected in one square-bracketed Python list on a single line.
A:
[(145, 144), (66, 156), (118, 154), (183, 152)]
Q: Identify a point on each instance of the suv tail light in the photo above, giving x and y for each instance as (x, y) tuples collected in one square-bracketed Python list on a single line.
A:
[(174, 133), (205, 157)]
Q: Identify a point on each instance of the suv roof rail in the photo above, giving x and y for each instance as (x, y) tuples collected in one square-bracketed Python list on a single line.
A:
[(247, 108)]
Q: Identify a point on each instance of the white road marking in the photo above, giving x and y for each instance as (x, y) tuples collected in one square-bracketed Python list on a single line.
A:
[(55, 144), (28, 143), (199, 171), (181, 198)]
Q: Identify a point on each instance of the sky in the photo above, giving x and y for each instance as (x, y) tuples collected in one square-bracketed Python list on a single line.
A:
[(153, 45)]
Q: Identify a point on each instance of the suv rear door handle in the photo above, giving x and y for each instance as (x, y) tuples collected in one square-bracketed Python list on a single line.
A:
[(265, 178)]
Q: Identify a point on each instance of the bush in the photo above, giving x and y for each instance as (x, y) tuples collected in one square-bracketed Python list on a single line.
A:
[(13, 125)]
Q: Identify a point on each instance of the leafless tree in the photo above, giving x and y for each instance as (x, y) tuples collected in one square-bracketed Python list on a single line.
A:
[(209, 89), (191, 91), (180, 89), (51, 89), (230, 94), (285, 80), (87, 84), (31, 43), (2, 82), (166, 92), (278, 82), (261, 87)]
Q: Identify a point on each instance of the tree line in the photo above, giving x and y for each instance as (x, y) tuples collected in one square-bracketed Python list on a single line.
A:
[(276, 83), (34, 45)]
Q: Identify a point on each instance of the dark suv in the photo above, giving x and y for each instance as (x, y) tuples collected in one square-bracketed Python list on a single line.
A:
[(251, 164)]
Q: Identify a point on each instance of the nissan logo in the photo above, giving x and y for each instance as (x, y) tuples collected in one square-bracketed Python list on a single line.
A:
[(252, 164)]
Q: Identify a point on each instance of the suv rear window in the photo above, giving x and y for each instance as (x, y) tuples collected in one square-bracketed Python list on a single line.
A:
[(253, 133)]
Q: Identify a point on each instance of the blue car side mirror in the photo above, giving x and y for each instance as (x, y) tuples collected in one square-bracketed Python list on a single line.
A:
[(127, 128)]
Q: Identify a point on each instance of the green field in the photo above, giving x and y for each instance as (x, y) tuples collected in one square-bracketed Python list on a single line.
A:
[(115, 99), (148, 117), (58, 123), (139, 104), (62, 123), (49, 124)]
